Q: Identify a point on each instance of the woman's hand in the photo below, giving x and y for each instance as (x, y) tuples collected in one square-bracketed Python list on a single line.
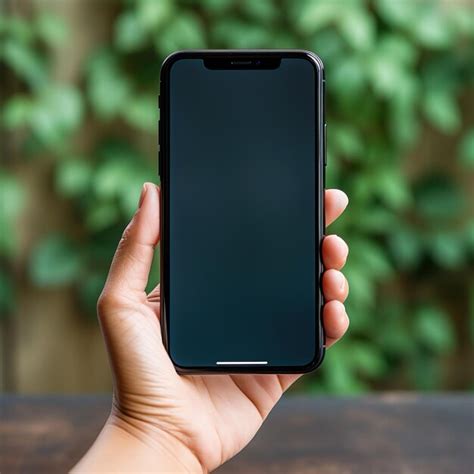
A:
[(161, 421)]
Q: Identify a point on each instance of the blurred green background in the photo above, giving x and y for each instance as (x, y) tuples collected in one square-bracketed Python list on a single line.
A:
[(79, 85)]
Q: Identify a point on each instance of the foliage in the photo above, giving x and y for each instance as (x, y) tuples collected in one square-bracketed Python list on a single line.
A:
[(392, 73)]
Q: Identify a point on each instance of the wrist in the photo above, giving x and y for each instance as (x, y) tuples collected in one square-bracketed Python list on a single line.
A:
[(126, 445), (171, 452)]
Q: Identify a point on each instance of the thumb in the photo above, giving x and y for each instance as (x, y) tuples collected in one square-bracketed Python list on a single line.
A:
[(132, 261)]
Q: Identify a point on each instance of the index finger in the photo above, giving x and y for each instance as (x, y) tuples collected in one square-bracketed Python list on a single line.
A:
[(335, 203)]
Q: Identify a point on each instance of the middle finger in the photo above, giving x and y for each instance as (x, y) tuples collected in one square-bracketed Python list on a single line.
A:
[(334, 252)]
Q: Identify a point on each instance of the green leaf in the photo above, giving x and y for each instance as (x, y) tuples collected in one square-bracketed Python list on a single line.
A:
[(440, 73), (406, 247), (404, 125), (433, 329), (111, 177), (466, 149), (438, 198), (102, 215), (17, 111), (142, 112), (129, 33), (130, 195), (348, 66), (331, 48), (121, 176), (17, 28), (386, 73), (55, 261), (378, 219), (25, 62), (261, 10), (238, 34), (346, 140), (434, 29), (314, 15), (216, 7), (392, 187), (403, 120), (358, 28), (425, 372), (361, 285), (152, 14), (51, 28), (393, 334), (367, 359), (182, 32), (108, 88), (442, 110), (447, 249), (398, 47), (11, 192), (396, 13), (372, 256), (56, 114), (73, 176), (461, 18), (340, 378)]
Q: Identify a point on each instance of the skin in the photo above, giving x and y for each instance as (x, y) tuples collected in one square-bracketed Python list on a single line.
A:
[(161, 421)]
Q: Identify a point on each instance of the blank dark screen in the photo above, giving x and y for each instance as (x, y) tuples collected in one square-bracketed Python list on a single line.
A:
[(242, 210)]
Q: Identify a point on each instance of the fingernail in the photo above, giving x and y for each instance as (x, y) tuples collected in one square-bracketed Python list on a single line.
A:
[(341, 281), (342, 199), (142, 195), (344, 245)]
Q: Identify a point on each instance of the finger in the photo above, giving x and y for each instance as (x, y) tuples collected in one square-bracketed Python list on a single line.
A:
[(335, 321), (334, 252), (335, 202), (335, 286), (154, 300), (132, 261), (287, 380), (155, 295)]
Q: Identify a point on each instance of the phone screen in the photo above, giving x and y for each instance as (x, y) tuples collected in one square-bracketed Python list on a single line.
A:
[(243, 204)]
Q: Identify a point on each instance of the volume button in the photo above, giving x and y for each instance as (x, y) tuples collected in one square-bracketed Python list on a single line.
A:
[(324, 100)]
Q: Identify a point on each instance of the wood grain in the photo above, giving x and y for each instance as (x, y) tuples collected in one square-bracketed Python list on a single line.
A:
[(375, 434)]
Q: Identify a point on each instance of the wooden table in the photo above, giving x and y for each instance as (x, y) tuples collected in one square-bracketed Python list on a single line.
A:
[(374, 434)]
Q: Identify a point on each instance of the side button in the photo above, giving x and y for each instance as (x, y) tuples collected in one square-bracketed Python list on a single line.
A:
[(325, 144), (160, 173)]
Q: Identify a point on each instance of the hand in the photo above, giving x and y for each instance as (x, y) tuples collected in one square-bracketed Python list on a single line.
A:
[(159, 419)]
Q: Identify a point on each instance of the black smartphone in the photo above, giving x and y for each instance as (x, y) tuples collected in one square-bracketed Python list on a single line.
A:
[(242, 165)]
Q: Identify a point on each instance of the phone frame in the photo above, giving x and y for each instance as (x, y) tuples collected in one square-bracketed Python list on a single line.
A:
[(163, 167)]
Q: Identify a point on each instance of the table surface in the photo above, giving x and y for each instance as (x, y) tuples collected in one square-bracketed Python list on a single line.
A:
[(393, 433)]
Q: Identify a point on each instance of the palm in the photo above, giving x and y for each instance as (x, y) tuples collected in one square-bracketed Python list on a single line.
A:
[(214, 415)]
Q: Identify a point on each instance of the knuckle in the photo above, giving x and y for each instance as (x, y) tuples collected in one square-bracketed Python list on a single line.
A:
[(125, 237), (105, 302)]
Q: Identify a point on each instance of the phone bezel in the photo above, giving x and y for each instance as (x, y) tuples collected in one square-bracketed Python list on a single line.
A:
[(163, 159)]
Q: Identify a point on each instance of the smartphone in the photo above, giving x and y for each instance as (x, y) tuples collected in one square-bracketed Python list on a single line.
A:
[(242, 166)]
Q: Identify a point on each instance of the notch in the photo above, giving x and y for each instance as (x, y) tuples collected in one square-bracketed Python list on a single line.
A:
[(242, 62)]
